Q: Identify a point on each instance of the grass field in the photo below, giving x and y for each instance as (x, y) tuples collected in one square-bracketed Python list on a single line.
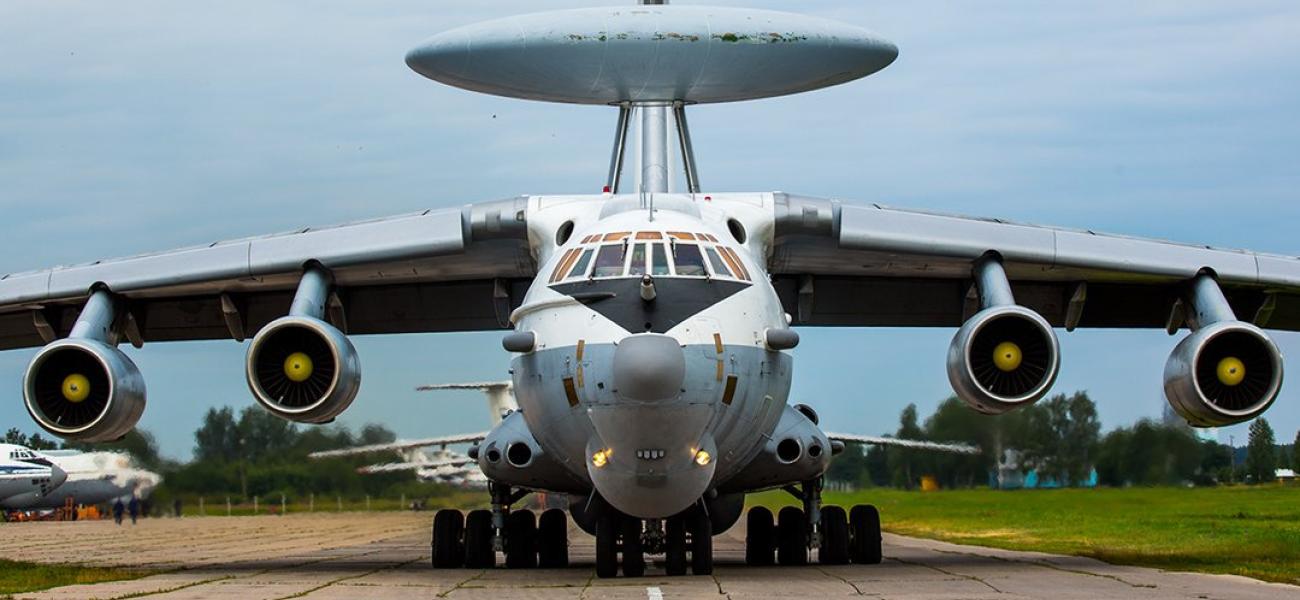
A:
[(19, 577), (1239, 530)]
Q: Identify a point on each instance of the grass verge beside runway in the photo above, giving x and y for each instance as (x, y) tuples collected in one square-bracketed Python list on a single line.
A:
[(1251, 531), (19, 577)]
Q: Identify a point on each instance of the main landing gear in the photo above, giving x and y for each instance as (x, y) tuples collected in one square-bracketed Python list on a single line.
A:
[(685, 540), (840, 538), (471, 541)]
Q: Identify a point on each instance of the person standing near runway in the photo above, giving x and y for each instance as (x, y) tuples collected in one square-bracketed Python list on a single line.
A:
[(117, 511), (134, 508)]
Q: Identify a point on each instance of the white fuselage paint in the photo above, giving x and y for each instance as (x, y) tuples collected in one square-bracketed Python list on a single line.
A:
[(576, 337)]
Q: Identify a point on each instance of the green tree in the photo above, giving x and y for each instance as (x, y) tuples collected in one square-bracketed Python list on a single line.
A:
[(954, 421), (35, 441), (1261, 456), (904, 464), (217, 439), (1295, 453)]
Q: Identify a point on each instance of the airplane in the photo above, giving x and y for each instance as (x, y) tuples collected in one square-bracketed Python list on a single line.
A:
[(92, 478), (26, 476), (442, 465), (650, 326)]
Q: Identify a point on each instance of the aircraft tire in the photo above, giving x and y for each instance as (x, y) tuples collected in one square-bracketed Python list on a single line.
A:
[(759, 531), (865, 542), (478, 540), (675, 546), (553, 539), (835, 537), (701, 543), (633, 550), (606, 546), (448, 548), (792, 537), (521, 540)]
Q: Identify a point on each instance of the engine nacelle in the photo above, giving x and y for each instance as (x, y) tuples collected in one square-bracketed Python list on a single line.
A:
[(1224, 373), (303, 369), (1003, 358), (84, 390)]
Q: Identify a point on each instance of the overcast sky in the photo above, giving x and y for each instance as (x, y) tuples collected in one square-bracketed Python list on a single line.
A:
[(142, 126)]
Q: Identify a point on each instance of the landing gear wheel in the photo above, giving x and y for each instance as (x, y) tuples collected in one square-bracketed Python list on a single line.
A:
[(553, 540), (864, 525), (478, 540), (835, 537), (701, 543), (758, 537), (633, 551), (675, 546), (606, 546), (792, 537), (448, 550), (521, 540)]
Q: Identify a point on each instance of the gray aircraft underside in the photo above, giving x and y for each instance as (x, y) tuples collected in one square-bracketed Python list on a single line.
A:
[(649, 332)]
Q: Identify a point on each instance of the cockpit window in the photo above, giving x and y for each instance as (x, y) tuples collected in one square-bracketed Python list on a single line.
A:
[(609, 261), (690, 263), (659, 260), (637, 265), (719, 268), (580, 267)]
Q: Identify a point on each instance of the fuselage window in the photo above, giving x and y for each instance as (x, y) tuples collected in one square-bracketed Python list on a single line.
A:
[(690, 263), (609, 261), (719, 268), (637, 265), (659, 260), (580, 267), (681, 235)]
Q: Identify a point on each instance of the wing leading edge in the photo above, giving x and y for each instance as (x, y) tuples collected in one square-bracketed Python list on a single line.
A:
[(836, 264)]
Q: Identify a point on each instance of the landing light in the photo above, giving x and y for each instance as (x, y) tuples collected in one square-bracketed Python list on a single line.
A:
[(601, 458), (703, 458)]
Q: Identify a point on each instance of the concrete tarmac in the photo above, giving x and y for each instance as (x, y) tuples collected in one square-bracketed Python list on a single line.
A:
[(386, 555)]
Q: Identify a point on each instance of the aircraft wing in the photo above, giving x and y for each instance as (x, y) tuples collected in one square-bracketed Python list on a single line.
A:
[(901, 443), (476, 385), (456, 269), (464, 438), (411, 466), (871, 265)]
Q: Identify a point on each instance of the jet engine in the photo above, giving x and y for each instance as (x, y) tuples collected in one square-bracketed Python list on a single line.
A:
[(1006, 356), (299, 367), (303, 369), (1003, 358), (1227, 371), (84, 390)]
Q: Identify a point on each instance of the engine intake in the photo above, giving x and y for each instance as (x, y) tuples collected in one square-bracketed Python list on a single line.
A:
[(303, 369), (1223, 374), (1004, 357), (84, 390)]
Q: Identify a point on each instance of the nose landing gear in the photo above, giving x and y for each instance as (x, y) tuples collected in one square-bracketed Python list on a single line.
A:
[(684, 539), (840, 538)]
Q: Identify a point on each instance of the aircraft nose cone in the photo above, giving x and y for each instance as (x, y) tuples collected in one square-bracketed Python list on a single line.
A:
[(57, 477), (649, 367)]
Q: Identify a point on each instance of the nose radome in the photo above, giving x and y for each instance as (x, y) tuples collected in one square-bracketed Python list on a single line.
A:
[(649, 366), (57, 476)]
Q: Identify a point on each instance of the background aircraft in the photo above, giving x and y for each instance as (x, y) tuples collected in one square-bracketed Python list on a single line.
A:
[(440, 465), (26, 477), (91, 478)]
